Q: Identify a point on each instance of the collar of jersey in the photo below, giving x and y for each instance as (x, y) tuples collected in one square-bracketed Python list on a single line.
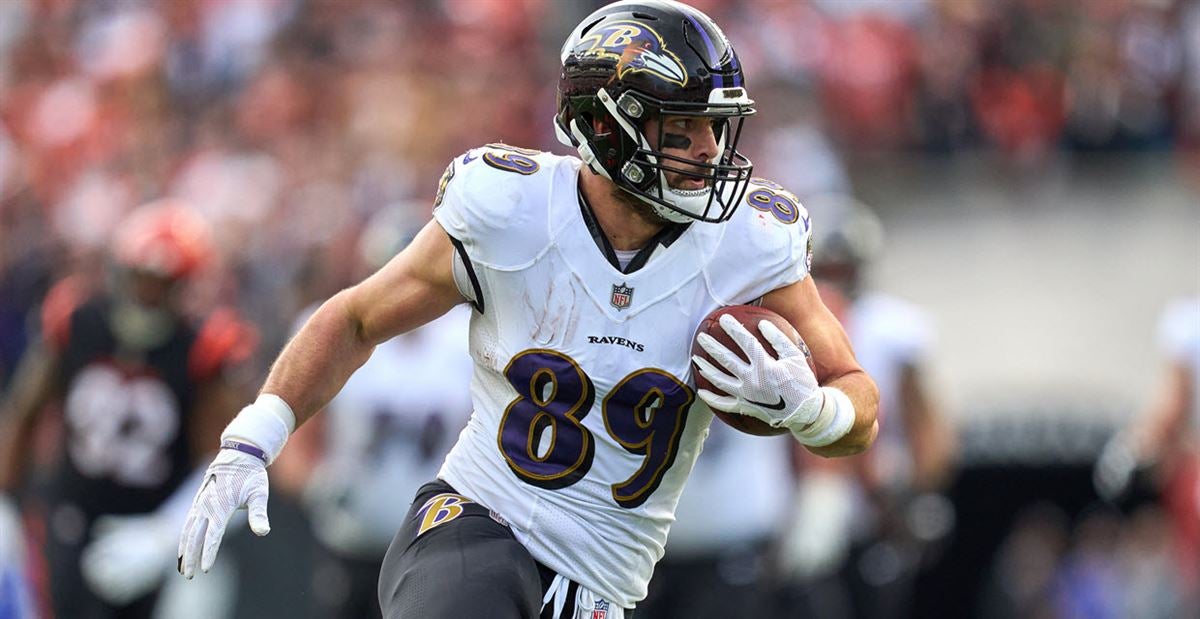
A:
[(664, 238), (664, 267)]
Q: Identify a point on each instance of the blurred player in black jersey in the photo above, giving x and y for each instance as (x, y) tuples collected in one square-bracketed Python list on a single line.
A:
[(140, 388)]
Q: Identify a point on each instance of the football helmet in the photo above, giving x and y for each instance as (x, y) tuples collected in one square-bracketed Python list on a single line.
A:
[(156, 248), (164, 238), (637, 60), (847, 237)]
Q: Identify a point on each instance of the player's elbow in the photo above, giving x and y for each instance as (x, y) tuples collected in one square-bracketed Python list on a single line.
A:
[(344, 313)]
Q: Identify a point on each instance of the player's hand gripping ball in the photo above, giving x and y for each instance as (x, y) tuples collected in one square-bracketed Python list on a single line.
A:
[(749, 316)]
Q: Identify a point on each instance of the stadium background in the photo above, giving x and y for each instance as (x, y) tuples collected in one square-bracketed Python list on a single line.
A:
[(1034, 163)]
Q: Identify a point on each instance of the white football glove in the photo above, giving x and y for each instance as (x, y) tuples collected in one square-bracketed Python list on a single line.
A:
[(1116, 468), (817, 538), (233, 480), (128, 556), (780, 392)]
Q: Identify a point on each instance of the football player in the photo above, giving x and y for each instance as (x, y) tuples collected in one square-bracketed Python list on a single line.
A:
[(588, 277), (859, 507), (382, 437), (893, 340), (718, 559), (142, 394), (1160, 448)]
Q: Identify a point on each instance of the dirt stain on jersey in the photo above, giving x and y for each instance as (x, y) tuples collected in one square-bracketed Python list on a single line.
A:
[(555, 318)]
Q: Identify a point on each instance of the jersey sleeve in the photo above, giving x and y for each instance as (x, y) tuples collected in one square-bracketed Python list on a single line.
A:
[(766, 245), (907, 330), (491, 201)]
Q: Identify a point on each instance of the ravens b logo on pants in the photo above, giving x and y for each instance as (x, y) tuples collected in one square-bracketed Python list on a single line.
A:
[(440, 509)]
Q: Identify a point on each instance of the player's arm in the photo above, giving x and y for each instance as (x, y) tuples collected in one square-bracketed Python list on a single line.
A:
[(412, 289), (830, 411), (929, 434), (1162, 428), (1155, 436), (834, 359), (33, 385)]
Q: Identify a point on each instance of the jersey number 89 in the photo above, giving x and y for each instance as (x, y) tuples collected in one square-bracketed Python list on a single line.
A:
[(644, 412)]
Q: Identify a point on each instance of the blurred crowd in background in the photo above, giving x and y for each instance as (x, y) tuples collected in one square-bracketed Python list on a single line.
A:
[(288, 123), (291, 125)]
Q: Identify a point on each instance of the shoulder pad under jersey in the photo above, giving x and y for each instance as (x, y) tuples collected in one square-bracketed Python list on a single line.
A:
[(905, 330), (765, 245), (495, 201)]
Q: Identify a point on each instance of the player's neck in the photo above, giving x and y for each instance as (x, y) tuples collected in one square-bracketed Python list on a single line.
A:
[(626, 228)]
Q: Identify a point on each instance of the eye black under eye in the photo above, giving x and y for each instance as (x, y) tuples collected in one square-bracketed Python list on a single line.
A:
[(674, 140)]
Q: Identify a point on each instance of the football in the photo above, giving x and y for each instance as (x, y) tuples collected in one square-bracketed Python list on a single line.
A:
[(749, 316)]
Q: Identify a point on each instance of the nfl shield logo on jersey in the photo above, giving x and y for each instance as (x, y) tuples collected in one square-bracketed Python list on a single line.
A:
[(601, 610), (622, 296)]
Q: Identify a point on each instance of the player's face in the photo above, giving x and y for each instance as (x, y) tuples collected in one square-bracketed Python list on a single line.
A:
[(688, 137), (149, 290)]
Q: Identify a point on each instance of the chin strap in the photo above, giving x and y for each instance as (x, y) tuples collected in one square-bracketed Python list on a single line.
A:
[(579, 141)]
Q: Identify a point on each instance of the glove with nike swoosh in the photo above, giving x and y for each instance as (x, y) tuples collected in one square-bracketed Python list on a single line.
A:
[(233, 480), (236, 478), (781, 391)]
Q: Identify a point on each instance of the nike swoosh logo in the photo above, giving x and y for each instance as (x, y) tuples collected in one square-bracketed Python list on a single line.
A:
[(778, 406)]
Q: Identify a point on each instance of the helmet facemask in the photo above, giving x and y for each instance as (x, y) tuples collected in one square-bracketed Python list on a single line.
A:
[(645, 174), (625, 154)]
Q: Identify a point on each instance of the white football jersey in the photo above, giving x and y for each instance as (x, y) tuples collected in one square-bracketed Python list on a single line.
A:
[(738, 493), (1179, 338), (387, 432), (887, 334), (585, 422)]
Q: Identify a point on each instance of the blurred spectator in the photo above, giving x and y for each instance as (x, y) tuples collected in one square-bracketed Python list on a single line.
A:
[(1098, 567), (867, 82), (796, 149), (1023, 580)]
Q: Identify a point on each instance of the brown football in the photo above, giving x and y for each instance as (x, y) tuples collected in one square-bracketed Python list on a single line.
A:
[(750, 316)]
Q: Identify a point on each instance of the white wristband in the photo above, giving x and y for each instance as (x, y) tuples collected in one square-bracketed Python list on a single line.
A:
[(266, 424), (833, 422)]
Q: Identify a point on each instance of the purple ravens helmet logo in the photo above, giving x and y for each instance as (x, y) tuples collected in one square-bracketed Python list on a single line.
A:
[(637, 49)]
